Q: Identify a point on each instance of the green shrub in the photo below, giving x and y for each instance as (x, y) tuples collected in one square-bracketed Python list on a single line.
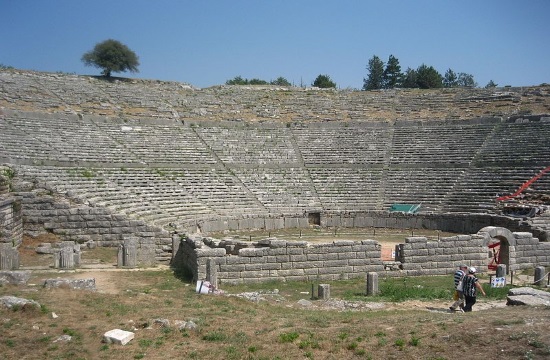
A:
[(288, 337), (214, 336)]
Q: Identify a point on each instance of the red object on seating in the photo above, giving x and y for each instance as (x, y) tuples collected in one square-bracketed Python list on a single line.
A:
[(525, 185)]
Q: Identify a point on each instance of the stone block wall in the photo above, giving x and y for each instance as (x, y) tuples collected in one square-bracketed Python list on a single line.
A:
[(441, 257), (273, 259), (527, 252), (11, 226), (462, 223), (43, 212), (274, 222)]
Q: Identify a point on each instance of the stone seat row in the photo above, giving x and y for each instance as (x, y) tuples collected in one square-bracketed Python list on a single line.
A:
[(480, 187), (68, 138)]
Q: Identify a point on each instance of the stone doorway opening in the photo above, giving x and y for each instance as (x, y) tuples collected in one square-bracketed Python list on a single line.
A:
[(314, 218)]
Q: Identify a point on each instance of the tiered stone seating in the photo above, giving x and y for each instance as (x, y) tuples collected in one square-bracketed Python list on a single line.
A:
[(426, 186), (283, 190), (138, 193), (478, 189), (17, 145), (168, 199), (165, 152), (20, 90), (343, 144), (168, 143), (65, 138), (438, 142), (218, 189), (255, 145), (522, 142), (344, 188)]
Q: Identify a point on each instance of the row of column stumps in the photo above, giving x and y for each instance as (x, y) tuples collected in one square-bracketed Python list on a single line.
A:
[(323, 290)]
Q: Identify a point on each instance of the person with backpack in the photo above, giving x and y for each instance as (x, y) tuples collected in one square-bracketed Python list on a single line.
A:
[(471, 286), (459, 294)]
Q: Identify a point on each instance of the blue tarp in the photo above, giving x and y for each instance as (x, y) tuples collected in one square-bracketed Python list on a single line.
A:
[(405, 208)]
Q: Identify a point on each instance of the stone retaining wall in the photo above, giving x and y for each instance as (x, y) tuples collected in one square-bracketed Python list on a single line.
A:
[(452, 222), (11, 226), (281, 260), (419, 255), (234, 262), (43, 212)]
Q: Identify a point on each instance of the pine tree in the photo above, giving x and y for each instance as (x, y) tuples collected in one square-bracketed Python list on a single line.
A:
[(409, 79), (450, 79), (392, 74), (428, 77), (375, 79)]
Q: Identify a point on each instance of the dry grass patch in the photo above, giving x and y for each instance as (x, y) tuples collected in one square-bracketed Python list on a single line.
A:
[(229, 327)]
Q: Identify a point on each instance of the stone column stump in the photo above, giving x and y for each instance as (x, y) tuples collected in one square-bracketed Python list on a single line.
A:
[(64, 258), (127, 254), (9, 257), (323, 291), (539, 275), (372, 283)]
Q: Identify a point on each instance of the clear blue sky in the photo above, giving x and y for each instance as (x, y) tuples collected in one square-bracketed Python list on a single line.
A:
[(206, 42)]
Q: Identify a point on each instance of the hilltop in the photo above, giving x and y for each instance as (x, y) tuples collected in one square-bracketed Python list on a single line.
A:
[(137, 98)]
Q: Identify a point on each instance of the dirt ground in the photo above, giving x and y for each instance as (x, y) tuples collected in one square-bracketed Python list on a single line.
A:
[(247, 326), (228, 327)]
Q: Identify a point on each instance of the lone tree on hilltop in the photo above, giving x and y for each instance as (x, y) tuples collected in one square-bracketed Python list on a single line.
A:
[(324, 82), (111, 56)]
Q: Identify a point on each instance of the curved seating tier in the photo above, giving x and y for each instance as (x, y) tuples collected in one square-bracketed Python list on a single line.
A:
[(521, 141), (170, 154), (442, 142), (479, 187), (345, 144)]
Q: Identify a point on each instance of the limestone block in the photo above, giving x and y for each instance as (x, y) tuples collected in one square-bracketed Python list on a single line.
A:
[(252, 252), (523, 235), (253, 267), (118, 336), (269, 266), (11, 301), (330, 256), (295, 251), (347, 255), (418, 239), (528, 296), (285, 258), (311, 272), (207, 252), (14, 277), (277, 251), (298, 258), (79, 284)]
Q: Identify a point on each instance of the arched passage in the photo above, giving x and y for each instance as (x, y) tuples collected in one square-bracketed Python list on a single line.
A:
[(499, 241)]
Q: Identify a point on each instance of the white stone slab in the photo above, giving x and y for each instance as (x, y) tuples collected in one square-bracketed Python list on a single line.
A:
[(117, 336)]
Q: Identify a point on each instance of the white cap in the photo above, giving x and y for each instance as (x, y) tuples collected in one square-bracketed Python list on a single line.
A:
[(472, 270)]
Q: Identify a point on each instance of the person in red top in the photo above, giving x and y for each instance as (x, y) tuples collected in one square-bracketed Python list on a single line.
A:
[(470, 287)]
